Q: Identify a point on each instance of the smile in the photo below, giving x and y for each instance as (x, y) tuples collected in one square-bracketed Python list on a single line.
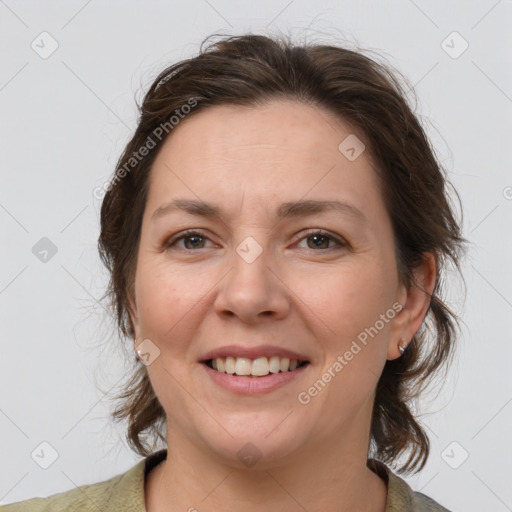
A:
[(259, 367)]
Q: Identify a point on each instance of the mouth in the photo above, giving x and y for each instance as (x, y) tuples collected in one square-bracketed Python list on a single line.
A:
[(259, 367)]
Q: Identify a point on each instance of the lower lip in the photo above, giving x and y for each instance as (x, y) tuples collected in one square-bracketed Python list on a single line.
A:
[(248, 385)]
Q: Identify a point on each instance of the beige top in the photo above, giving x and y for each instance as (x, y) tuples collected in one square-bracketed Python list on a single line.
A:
[(125, 493)]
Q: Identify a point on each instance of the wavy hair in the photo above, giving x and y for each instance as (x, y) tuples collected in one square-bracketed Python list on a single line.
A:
[(251, 70)]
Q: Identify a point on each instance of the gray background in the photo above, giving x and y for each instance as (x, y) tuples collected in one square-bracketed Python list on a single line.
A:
[(65, 119)]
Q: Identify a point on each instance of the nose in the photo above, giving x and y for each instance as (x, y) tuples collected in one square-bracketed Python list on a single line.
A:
[(253, 291)]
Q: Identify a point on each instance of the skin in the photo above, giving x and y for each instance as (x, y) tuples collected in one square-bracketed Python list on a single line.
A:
[(197, 295)]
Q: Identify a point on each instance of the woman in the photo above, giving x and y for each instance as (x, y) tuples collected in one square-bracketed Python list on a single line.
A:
[(276, 233)]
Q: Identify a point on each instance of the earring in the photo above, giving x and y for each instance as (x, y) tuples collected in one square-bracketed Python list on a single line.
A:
[(402, 349), (138, 351)]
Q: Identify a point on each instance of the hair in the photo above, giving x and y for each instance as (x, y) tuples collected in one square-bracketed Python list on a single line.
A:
[(251, 70)]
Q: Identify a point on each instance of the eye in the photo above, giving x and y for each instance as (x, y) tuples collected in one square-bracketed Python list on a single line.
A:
[(195, 238), (321, 239)]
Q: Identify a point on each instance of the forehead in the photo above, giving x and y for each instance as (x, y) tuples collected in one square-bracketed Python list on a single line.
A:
[(279, 125), (284, 150)]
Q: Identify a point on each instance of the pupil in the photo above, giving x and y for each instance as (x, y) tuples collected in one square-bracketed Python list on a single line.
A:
[(190, 238), (317, 237)]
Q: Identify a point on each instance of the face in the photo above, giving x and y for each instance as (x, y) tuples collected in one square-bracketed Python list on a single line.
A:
[(261, 280)]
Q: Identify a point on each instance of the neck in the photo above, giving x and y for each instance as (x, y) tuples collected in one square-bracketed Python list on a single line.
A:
[(335, 478)]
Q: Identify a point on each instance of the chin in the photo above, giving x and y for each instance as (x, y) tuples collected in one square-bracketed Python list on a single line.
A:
[(253, 444)]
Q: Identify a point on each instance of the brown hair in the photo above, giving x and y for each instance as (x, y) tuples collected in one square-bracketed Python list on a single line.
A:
[(250, 70)]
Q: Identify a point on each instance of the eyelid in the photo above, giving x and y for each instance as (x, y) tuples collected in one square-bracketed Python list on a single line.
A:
[(340, 241), (169, 242)]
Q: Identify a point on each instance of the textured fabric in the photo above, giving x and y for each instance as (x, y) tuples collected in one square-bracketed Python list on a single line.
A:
[(125, 493)]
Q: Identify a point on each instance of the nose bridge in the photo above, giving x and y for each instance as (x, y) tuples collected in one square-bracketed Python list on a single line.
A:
[(251, 288)]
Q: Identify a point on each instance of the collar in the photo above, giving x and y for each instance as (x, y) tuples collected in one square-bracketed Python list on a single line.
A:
[(129, 495)]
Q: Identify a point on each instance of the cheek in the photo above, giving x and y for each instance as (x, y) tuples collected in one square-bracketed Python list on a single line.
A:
[(347, 299), (350, 303), (161, 301), (172, 302)]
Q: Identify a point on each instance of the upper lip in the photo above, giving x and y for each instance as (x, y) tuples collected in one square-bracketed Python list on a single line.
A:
[(253, 352)]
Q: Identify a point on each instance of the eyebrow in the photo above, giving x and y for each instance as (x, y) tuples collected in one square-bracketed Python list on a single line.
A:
[(286, 210)]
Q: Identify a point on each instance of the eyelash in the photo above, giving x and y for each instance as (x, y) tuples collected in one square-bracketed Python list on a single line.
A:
[(168, 245)]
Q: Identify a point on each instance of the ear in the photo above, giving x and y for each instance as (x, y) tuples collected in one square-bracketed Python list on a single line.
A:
[(415, 301)]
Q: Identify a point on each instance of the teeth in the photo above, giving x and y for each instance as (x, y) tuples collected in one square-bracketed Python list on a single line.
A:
[(258, 367), (243, 366), (284, 364), (274, 364), (229, 366)]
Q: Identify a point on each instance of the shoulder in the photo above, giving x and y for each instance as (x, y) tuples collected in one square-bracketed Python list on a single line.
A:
[(401, 497), (121, 492), (91, 497), (423, 503)]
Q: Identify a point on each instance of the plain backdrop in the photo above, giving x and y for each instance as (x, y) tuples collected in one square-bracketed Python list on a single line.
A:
[(69, 75)]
